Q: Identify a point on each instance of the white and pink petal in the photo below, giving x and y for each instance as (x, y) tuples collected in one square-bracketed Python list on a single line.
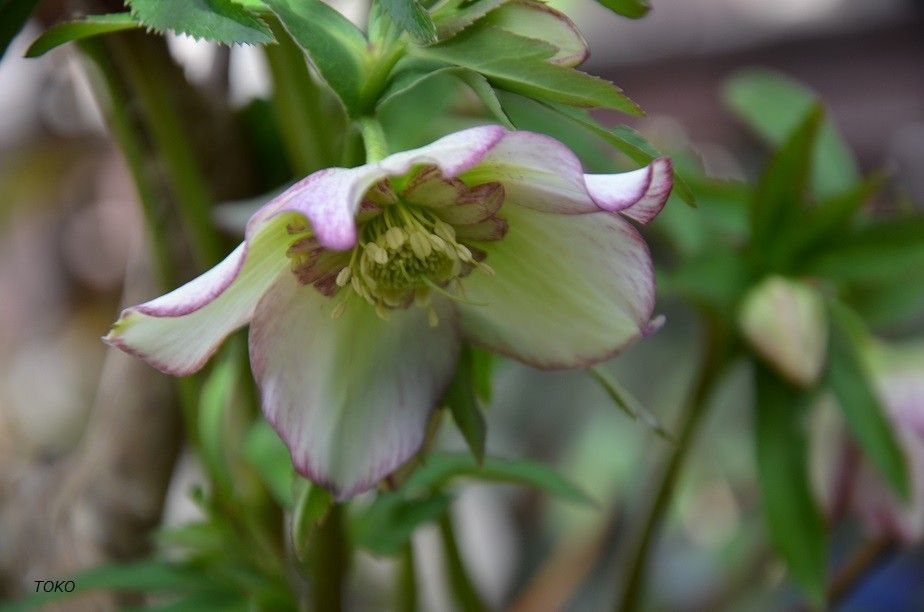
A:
[(177, 332), (567, 290), (350, 396), (639, 194)]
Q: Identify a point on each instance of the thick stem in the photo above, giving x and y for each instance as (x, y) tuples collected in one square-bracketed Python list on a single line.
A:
[(305, 125), (714, 360), (463, 590), (328, 562), (406, 600)]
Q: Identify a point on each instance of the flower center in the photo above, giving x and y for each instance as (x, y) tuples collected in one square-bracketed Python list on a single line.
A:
[(404, 254)]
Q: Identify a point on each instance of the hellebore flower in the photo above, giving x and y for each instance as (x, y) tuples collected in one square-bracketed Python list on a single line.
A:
[(845, 480), (784, 321), (360, 284)]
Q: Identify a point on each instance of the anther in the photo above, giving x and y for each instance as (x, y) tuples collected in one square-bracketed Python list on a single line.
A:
[(343, 277), (395, 238), (432, 318), (420, 245)]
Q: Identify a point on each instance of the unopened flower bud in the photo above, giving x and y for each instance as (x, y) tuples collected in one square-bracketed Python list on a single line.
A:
[(785, 323)]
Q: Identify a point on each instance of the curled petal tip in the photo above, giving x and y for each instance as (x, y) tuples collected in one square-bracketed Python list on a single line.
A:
[(654, 326)]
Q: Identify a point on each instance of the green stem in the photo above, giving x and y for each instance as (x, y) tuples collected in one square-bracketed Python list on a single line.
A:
[(304, 123), (328, 562), (144, 70), (407, 580), (463, 590), (373, 139), (714, 361)]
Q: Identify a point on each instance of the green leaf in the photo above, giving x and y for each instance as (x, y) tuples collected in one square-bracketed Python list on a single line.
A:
[(217, 20), (13, 16), (451, 20), (417, 73), (794, 521), (886, 250), (773, 105), (482, 373), (386, 526), (537, 20), (312, 505), (460, 397), (629, 142), (334, 45), (69, 31), (440, 469), (778, 203), (633, 9), (265, 451), (626, 402), (410, 16), (478, 84), (522, 65), (850, 381), (214, 400)]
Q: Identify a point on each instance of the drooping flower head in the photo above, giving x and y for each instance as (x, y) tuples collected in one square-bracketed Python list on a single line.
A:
[(360, 285)]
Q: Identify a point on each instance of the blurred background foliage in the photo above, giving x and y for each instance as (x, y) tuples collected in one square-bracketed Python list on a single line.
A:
[(797, 127)]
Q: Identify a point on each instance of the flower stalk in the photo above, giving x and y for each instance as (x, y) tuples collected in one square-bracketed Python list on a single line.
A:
[(714, 361), (376, 146)]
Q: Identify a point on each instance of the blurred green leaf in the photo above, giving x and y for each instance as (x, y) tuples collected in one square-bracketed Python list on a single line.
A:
[(773, 105), (522, 65), (827, 223), (794, 520), (632, 144), (721, 216), (410, 16), (268, 455), (862, 408), (633, 9), (439, 469), (462, 403), (715, 279), (13, 16), (386, 526), (217, 393), (883, 250), (149, 576), (334, 45), (778, 202), (895, 302), (212, 601), (89, 26), (218, 20), (311, 507)]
